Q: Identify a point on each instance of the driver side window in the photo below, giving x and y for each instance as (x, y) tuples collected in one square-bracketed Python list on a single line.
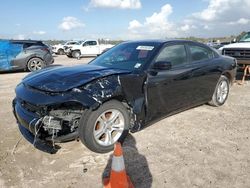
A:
[(175, 54)]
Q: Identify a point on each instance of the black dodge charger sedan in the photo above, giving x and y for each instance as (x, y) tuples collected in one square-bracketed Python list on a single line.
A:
[(122, 90)]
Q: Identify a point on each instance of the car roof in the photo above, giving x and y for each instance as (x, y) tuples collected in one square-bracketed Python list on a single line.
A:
[(26, 41), (161, 41)]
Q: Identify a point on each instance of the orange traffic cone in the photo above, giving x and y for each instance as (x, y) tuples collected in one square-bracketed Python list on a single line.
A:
[(118, 177)]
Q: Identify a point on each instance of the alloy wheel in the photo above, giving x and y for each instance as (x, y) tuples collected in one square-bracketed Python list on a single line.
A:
[(109, 126), (222, 91)]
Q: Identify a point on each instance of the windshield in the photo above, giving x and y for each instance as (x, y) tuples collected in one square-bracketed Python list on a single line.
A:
[(72, 43), (245, 38), (128, 56)]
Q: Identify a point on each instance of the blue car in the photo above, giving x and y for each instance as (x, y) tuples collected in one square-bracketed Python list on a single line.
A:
[(28, 55)]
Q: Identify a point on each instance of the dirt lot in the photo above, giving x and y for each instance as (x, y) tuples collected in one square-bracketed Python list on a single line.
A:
[(201, 147)]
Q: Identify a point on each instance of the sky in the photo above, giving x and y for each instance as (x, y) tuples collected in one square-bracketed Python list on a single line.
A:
[(122, 19)]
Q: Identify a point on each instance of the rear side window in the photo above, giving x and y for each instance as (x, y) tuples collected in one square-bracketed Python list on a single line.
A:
[(199, 53), (176, 54), (27, 45), (90, 43)]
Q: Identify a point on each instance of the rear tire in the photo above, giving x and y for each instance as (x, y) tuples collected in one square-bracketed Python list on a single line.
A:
[(221, 92), (60, 52), (100, 129), (35, 64), (76, 54)]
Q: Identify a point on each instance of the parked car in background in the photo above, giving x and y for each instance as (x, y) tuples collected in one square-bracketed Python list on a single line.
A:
[(24, 54), (60, 48), (217, 45), (87, 48), (239, 50), (124, 89)]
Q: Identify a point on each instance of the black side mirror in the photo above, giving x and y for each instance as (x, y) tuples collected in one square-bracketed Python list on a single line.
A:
[(162, 65)]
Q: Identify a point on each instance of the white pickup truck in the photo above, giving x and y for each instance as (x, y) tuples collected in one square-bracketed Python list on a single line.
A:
[(239, 50), (60, 48), (87, 48)]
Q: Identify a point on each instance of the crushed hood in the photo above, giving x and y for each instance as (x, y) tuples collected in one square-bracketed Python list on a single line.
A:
[(60, 79)]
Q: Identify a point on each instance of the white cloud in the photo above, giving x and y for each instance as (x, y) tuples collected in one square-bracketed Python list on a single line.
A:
[(241, 21), (39, 32), (206, 27), (20, 37), (185, 27), (122, 4), (162, 16), (214, 9), (69, 23), (133, 25), (218, 18), (155, 26), (224, 10)]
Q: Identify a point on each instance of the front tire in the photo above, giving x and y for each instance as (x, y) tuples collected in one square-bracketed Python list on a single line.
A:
[(35, 64), (221, 92), (100, 129)]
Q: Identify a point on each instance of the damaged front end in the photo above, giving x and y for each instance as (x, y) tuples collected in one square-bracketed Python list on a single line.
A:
[(45, 126), (46, 117)]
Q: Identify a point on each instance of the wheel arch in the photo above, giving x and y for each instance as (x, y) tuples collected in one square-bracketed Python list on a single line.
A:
[(229, 77), (76, 50), (119, 98), (60, 49)]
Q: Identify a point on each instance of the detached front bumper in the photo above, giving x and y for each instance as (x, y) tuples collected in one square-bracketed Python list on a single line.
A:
[(37, 143), (26, 123), (32, 127), (25, 118)]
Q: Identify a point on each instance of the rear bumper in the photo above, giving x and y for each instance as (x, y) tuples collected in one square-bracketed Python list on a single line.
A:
[(48, 59), (54, 50)]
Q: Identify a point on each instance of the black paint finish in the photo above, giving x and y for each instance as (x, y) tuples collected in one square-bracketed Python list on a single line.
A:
[(148, 93)]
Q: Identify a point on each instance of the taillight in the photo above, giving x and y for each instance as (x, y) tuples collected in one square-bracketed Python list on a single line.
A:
[(45, 49)]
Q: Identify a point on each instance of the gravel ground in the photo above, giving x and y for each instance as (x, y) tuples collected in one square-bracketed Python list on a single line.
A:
[(201, 147)]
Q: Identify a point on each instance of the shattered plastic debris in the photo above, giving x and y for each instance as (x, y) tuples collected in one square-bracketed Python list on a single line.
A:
[(77, 90), (104, 88), (47, 123), (36, 130)]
